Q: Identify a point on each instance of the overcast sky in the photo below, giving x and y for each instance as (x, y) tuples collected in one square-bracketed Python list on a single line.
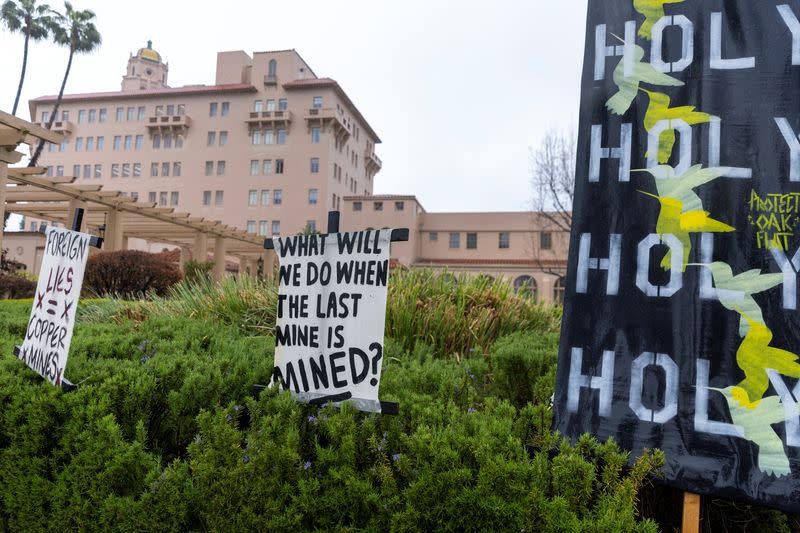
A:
[(457, 90)]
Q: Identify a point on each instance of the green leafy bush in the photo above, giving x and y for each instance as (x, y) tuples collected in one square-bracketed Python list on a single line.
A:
[(525, 367), (194, 271), (129, 273), (13, 286)]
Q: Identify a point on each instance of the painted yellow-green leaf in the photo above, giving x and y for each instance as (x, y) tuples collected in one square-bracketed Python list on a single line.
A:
[(652, 10), (659, 109)]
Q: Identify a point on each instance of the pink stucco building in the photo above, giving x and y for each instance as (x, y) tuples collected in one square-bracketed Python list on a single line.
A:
[(271, 148)]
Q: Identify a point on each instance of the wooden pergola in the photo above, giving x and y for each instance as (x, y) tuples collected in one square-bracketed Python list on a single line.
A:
[(111, 213)]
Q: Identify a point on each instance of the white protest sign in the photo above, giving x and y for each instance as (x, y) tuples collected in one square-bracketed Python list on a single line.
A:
[(331, 316), (49, 331)]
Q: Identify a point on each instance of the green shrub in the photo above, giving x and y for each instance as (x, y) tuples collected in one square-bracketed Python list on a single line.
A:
[(129, 273), (13, 286), (525, 367), (194, 271)]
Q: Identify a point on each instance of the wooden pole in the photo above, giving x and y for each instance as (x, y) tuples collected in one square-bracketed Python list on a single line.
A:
[(691, 513)]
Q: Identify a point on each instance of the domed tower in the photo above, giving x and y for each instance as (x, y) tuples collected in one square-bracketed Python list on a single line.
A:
[(146, 70)]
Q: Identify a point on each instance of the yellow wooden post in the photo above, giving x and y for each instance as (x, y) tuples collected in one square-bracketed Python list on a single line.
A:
[(691, 513)]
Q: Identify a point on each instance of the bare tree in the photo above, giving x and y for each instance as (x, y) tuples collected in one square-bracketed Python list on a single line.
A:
[(552, 167)]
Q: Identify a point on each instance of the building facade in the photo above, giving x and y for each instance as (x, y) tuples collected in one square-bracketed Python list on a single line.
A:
[(271, 148)]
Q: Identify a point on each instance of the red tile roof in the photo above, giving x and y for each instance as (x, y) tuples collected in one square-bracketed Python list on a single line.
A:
[(318, 83), (168, 91)]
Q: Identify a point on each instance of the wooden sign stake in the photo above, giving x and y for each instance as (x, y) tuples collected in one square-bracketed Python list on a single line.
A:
[(398, 235), (691, 513)]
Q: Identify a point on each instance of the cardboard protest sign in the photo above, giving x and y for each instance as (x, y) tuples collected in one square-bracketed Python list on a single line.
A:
[(49, 331), (331, 316), (681, 326)]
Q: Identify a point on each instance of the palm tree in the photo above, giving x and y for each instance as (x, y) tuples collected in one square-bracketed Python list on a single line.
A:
[(76, 30), (34, 21)]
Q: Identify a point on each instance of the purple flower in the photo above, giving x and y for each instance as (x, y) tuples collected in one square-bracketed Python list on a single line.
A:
[(307, 465), (312, 419), (395, 457), (198, 439), (385, 434), (246, 459), (236, 407), (472, 410), (229, 418), (380, 448)]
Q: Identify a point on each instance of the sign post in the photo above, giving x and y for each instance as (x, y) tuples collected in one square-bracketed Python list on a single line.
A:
[(49, 331), (681, 313), (331, 312)]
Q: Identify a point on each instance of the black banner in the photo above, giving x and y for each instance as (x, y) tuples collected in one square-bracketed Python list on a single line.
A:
[(681, 327)]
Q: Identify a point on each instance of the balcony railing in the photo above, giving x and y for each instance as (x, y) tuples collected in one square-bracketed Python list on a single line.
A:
[(270, 80), (372, 159), (60, 126), (267, 118), (169, 122), (326, 115)]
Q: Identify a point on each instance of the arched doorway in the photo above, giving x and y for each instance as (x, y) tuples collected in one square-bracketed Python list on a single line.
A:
[(558, 291), (526, 286)]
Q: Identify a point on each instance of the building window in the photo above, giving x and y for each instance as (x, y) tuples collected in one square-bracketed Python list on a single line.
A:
[(162, 199), (277, 197), (311, 225), (276, 227), (279, 166), (65, 145), (76, 171), (262, 227), (378, 206), (78, 144), (315, 135), (137, 170), (272, 70), (314, 165), (220, 168), (176, 169), (433, 236), (212, 109), (219, 196), (206, 198), (60, 170), (181, 109), (81, 116), (65, 115), (45, 116), (167, 140), (545, 240), (504, 240), (170, 109), (156, 140), (151, 197), (356, 206), (87, 171), (455, 240), (159, 110), (173, 198), (154, 170), (558, 291), (281, 136), (312, 196), (257, 106), (120, 114), (139, 142), (92, 116), (135, 196), (525, 286), (115, 170), (126, 170), (226, 107), (140, 112), (34, 226), (223, 138), (399, 206), (212, 138), (178, 140), (251, 226), (269, 137), (89, 144), (270, 105), (472, 241), (254, 164), (252, 198), (50, 171), (128, 142), (209, 168), (165, 169), (265, 197), (256, 137), (282, 104), (317, 102), (267, 167), (103, 114)]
